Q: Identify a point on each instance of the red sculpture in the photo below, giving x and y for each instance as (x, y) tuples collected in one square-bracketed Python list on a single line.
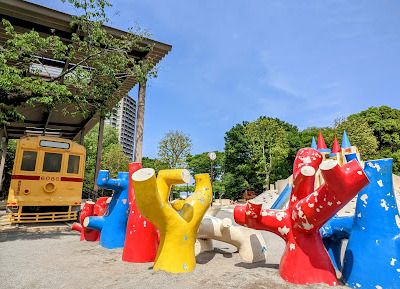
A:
[(305, 260), (90, 209), (141, 239)]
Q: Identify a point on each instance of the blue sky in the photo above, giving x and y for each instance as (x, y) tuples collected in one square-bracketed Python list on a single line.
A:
[(305, 62)]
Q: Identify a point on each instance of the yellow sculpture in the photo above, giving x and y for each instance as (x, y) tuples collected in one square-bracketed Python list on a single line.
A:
[(177, 225)]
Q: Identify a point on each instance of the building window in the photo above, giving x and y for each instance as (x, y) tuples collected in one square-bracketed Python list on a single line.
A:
[(52, 162), (73, 164), (28, 161)]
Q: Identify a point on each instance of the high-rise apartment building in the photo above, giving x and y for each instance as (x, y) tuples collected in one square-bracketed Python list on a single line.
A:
[(124, 120)]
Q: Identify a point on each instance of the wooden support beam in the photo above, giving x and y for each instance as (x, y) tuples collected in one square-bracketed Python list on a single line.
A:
[(82, 136), (140, 123), (99, 151)]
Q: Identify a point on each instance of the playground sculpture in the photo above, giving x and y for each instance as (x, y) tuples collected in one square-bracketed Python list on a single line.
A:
[(141, 240), (177, 228), (90, 209), (372, 257), (249, 243), (305, 260), (112, 225)]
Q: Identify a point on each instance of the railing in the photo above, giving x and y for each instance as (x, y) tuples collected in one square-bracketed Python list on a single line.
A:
[(42, 217)]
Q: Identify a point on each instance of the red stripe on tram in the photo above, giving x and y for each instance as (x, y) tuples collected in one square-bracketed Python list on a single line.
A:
[(25, 177), (68, 179)]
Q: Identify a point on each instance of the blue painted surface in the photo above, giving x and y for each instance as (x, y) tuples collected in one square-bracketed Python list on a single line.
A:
[(345, 141), (282, 198), (324, 150), (112, 225), (350, 157), (372, 256), (333, 233), (313, 143)]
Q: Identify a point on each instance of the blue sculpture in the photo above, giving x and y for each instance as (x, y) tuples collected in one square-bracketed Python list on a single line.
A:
[(313, 143), (345, 141), (333, 233), (112, 225), (372, 257), (283, 198)]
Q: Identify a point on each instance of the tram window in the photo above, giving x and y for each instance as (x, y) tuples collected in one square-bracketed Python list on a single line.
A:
[(52, 162), (28, 161), (73, 164)]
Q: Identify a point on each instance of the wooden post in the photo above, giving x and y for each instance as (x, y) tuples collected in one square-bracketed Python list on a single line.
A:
[(99, 151), (82, 136), (140, 123), (3, 155)]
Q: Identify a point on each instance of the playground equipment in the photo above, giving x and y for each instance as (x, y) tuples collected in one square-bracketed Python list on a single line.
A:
[(141, 240), (283, 198), (46, 181), (177, 228), (112, 225), (305, 259), (372, 257), (90, 209), (250, 244)]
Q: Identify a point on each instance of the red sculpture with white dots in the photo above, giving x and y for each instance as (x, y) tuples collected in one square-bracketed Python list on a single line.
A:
[(305, 260)]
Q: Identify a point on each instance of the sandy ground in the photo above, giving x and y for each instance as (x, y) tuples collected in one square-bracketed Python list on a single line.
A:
[(60, 260)]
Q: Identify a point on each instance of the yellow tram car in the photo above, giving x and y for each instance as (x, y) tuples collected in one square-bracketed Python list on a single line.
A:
[(47, 180)]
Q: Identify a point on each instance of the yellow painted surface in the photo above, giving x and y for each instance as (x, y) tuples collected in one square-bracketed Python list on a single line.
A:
[(178, 228), (40, 188)]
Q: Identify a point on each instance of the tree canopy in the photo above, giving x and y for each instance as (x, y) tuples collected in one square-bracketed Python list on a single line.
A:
[(174, 148), (258, 153), (95, 64), (113, 158)]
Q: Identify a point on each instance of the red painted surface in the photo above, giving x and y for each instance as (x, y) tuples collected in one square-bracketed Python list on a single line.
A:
[(69, 179), (321, 142), (141, 239), (305, 260), (25, 177), (335, 146), (35, 178), (90, 209)]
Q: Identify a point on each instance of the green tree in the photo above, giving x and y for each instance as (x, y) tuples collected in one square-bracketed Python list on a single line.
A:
[(115, 160), (360, 135), (96, 63), (244, 164), (201, 163), (174, 148), (268, 145), (239, 173), (385, 124), (155, 164), (307, 134), (110, 139), (8, 167)]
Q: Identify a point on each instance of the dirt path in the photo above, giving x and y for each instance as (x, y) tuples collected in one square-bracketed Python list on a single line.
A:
[(58, 260)]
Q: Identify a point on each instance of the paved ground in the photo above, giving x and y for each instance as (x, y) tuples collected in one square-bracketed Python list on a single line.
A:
[(59, 260)]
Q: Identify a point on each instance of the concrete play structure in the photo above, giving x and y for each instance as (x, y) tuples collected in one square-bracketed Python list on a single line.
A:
[(177, 228), (249, 243), (372, 256), (305, 260), (141, 240), (90, 209), (112, 226)]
